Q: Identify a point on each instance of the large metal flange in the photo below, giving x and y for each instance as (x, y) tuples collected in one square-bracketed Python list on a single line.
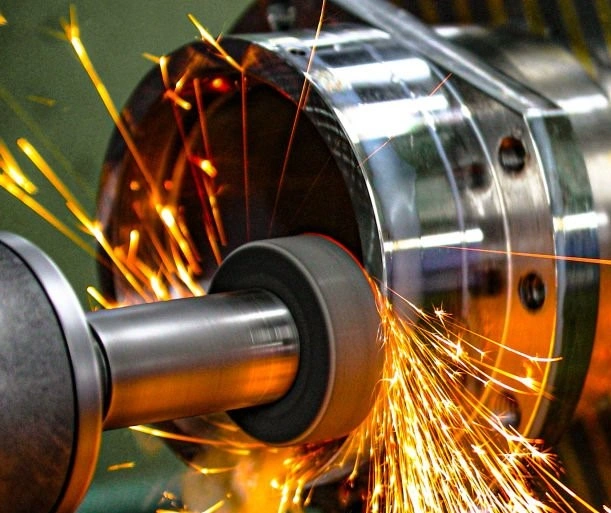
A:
[(340, 358)]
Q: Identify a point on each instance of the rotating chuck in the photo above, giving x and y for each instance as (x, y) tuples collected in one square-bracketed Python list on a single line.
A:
[(286, 340)]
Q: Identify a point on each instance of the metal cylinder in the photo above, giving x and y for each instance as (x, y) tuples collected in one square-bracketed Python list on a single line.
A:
[(192, 356)]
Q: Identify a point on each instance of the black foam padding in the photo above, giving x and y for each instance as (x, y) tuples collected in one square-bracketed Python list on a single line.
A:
[(37, 402)]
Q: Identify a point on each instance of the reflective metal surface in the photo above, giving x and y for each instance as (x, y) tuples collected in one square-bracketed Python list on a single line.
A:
[(194, 357)]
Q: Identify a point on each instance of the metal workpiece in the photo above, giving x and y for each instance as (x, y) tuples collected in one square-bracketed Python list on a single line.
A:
[(195, 356), (267, 351)]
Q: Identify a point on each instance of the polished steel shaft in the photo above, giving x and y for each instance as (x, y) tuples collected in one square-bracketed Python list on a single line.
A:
[(197, 355)]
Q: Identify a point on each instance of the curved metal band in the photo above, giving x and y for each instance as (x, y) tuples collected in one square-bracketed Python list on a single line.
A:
[(82, 375)]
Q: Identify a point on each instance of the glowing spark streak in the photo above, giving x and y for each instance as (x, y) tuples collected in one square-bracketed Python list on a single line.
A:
[(215, 507), (72, 32), (121, 466), (541, 256), (185, 276), (216, 213), (206, 166), (171, 91), (95, 294), (47, 172), (373, 153), (190, 439), (45, 214), (208, 471), (9, 165), (161, 292), (163, 67), (134, 241), (207, 38), (3, 20), (387, 142), (150, 57), (441, 84), (303, 98), (167, 216), (245, 155), (42, 100), (174, 97), (203, 125)]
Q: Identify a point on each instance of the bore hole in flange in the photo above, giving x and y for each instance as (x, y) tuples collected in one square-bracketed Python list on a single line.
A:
[(512, 155), (532, 291), (300, 52)]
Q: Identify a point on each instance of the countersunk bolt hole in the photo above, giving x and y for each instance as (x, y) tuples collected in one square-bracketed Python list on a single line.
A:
[(478, 176), (512, 155), (532, 291)]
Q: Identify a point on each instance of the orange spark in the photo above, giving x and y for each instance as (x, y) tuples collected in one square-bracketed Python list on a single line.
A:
[(101, 300), (121, 466), (207, 38), (72, 32), (303, 98), (167, 216), (205, 165), (9, 165), (46, 170), (542, 256)]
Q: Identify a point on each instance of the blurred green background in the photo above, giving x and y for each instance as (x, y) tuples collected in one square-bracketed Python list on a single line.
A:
[(46, 97)]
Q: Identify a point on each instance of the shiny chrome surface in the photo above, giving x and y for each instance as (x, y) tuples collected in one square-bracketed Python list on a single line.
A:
[(451, 208), (548, 206), (193, 356)]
